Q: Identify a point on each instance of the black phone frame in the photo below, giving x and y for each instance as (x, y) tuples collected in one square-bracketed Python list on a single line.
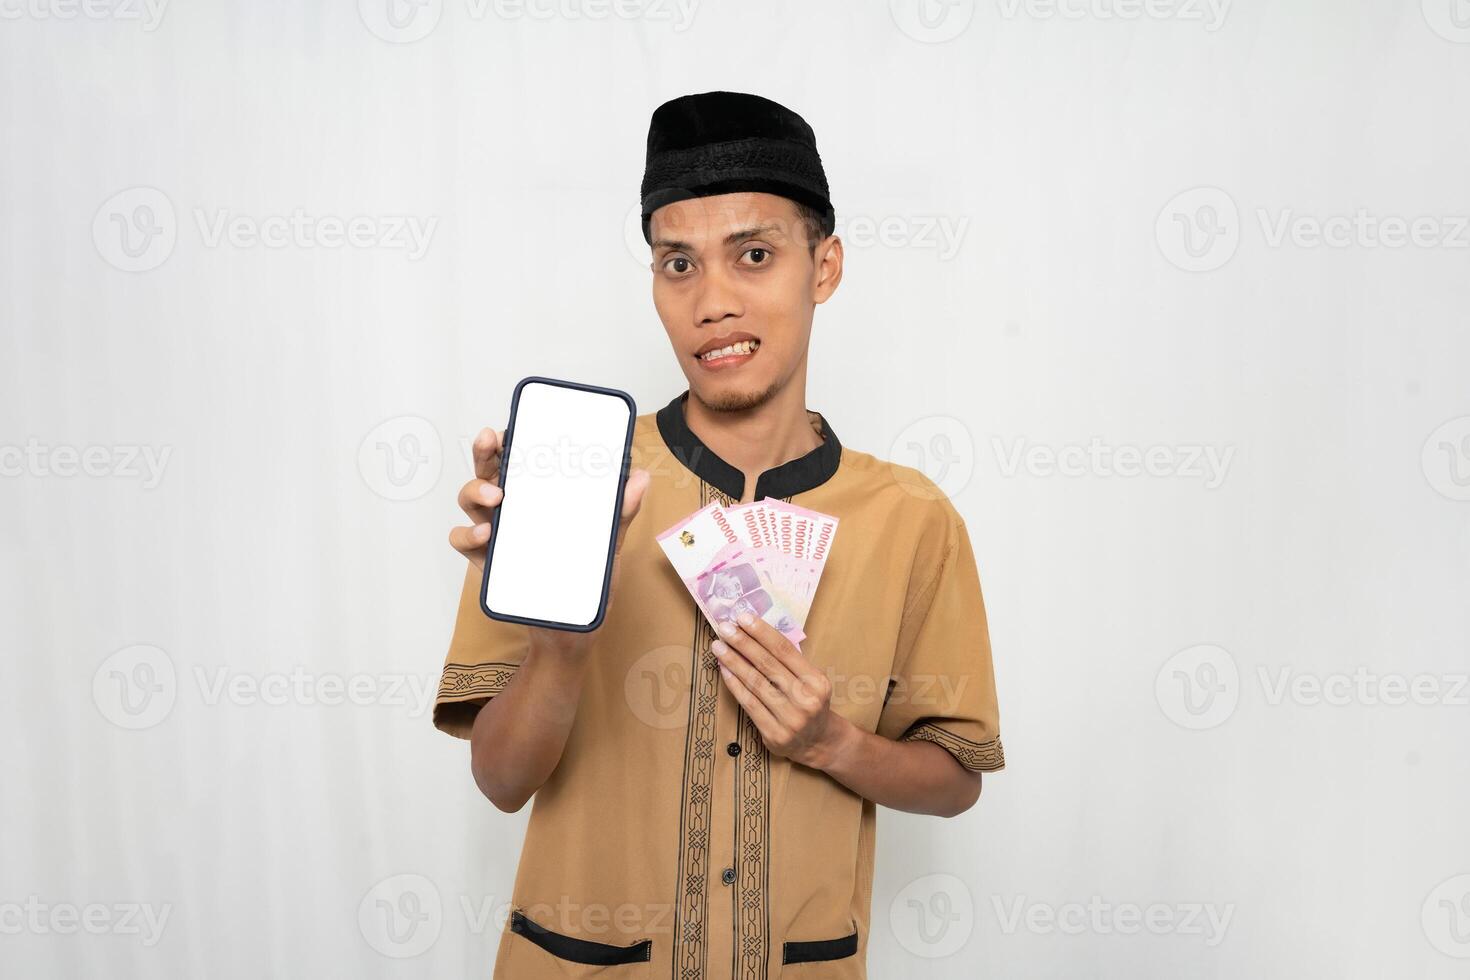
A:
[(515, 401)]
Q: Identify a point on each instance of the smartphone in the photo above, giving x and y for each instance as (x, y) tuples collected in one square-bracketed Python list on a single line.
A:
[(563, 468)]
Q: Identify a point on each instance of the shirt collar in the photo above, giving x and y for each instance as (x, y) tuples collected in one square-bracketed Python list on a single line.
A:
[(790, 478)]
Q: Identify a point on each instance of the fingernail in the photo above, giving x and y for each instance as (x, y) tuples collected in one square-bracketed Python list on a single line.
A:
[(482, 531), (745, 619), (489, 492), (726, 628), (718, 648)]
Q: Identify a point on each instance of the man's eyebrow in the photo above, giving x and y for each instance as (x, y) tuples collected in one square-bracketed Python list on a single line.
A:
[(757, 232), (735, 236)]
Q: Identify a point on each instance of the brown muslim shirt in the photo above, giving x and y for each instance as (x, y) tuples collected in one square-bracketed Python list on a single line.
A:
[(668, 842)]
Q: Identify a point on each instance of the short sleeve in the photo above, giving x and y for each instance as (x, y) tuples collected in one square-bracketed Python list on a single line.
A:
[(483, 656), (942, 688)]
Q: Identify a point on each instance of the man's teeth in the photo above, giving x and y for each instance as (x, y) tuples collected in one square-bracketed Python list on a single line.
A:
[(743, 347)]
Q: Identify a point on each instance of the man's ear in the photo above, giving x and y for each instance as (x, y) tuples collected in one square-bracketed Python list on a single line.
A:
[(828, 270)]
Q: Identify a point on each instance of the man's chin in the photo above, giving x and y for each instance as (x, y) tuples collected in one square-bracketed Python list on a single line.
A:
[(733, 397)]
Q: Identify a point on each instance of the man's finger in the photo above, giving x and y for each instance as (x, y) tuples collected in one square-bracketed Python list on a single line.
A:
[(632, 500), (766, 723), (470, 542), (762, 659), (779, 646), (767, 691), (486, 451), (478, 498)]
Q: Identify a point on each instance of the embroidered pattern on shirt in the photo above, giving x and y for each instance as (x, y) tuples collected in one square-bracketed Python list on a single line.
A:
[(752, 853), (482, 679), (985, 756), (692, 908)]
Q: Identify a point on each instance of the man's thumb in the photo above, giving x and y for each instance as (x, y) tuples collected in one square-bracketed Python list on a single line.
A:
[(632, 498), (633, 492)]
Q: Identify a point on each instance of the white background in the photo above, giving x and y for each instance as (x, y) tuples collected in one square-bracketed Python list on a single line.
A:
[(176, 641)]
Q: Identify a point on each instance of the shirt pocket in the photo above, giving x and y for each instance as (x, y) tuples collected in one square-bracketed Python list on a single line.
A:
[(533, 951), (823, 959)]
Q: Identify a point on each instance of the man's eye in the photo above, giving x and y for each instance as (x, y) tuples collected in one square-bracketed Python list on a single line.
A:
[(678, 264), (758, 255)]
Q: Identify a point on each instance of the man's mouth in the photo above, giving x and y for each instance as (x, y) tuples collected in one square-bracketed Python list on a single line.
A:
[(728, 352)]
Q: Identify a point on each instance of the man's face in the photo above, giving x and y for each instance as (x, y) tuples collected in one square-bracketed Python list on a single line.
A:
[(735, 285)]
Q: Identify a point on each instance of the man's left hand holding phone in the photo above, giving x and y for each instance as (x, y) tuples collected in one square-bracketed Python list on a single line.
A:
[(519, 734)]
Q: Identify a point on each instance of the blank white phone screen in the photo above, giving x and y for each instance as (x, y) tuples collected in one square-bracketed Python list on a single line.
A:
[(557, 517)]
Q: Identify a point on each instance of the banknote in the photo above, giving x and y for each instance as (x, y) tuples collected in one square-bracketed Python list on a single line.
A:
[(725, 575), (803, 537), (737, 582), (764, 557), (800, 531)]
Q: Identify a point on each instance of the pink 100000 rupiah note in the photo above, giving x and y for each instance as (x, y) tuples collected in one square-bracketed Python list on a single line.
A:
[(764, 558)]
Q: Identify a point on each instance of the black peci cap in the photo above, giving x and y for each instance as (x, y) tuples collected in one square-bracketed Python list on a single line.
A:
[(724, 142)]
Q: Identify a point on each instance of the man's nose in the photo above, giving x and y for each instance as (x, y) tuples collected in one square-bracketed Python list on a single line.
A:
[(718, 298)]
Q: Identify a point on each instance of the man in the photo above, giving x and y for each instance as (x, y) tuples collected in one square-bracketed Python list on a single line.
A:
[(705, 804)]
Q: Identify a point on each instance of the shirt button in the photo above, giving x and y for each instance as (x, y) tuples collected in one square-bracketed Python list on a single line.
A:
[(728, 876), (733, 748)]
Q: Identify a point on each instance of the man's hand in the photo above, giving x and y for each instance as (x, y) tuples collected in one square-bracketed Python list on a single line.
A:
[(481, 495), (788, 699), (790, 702), (518, 737)]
